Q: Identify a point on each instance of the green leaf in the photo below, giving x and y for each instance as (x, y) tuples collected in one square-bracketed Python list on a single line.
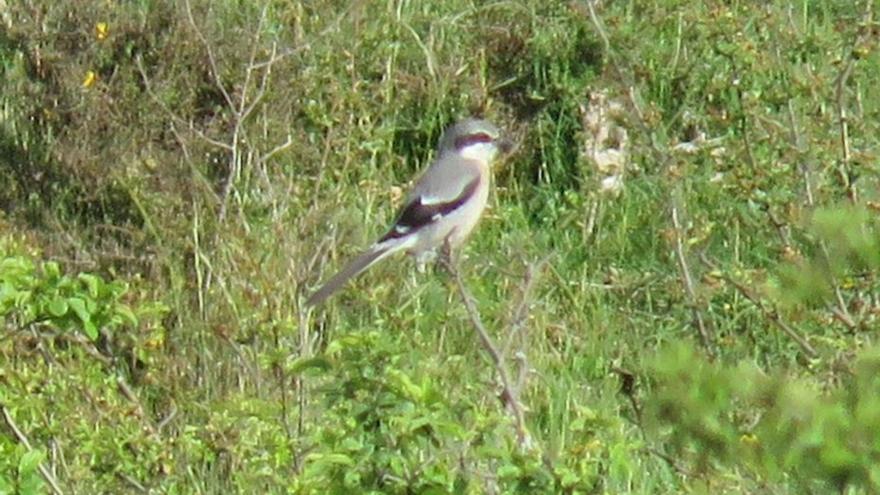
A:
[(6, 486), (81, 308), (78, 305), (90, 329), (22, 298), (127, 314), (405, 385), (16, 269), (51, 270), (8, 296), (32, 485), (508, 471), (57, 307), (93, 283), (117, 288), (300, 365), (29, 462)]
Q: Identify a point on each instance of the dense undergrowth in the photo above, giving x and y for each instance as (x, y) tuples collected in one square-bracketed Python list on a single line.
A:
[(680, 263)]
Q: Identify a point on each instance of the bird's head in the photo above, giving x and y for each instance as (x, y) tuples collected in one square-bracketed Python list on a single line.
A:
[(475, 139)]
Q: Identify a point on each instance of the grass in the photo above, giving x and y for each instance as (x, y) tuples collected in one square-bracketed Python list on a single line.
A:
[(228, 157)]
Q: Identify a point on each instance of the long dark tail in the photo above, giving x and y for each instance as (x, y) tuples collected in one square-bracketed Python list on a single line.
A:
[(352, 269)]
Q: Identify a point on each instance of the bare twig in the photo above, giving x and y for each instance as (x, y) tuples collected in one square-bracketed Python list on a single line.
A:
[(173, 116), (509, 394), (22, 438), (306, 343), (521, 312), (212, 60), (88, 346), (140, 488), (798, 143), (770, 313), (517, 323), (780, 226), (663, 159), (687, 279), (278, 149), (671, 461), (241, 106), (842, 315), (127, 392), (282, 377), (841, 312), (167, 419), (242, 110), (845, 169), (839, 307), (628, 388)]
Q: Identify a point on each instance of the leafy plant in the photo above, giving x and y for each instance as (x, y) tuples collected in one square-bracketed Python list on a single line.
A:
[(41, 294), (777, 426), (385, 430)]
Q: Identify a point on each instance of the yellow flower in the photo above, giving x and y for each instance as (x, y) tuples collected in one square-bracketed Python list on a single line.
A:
[(90, 79), (102, 30)]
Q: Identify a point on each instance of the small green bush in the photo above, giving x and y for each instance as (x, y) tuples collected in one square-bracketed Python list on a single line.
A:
[(32, 294)]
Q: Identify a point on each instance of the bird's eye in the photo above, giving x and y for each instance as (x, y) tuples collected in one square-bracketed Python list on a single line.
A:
[(470, 139)]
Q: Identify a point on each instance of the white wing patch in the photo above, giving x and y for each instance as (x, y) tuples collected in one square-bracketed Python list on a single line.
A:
[(434, 200)]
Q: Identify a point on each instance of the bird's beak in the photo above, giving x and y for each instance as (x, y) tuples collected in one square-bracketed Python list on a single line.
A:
[(505, 145)]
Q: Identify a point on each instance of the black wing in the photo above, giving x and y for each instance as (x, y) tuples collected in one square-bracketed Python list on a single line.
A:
[(416, 215)]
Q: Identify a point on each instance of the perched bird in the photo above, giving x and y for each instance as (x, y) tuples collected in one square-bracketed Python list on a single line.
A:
[(444, 205)]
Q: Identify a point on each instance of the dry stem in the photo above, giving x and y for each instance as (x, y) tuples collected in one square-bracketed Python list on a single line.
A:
[(688, 280), (663, 159), (509, 393), (44, 471), (770, 313)]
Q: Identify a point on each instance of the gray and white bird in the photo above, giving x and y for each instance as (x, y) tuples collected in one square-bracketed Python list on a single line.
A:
[(443, 206)]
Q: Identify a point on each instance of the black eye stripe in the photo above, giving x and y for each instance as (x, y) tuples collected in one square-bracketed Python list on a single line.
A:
[(479, 137)]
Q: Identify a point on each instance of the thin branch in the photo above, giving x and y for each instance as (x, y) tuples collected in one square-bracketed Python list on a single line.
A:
[(127, 392), (167, 419), (264, 82), (662, 158), (770, 313), (22, 438), (188, 125), (87, 345), (211, 59), (840, 311), (865, 32), (842, 316), (671, 461), (521, 312), (133, 482), (780, 226), (518, 321), (245, 108), (687, 279), (843, 129), (845, 171), (249, 71), (278, 149), (509, 394)]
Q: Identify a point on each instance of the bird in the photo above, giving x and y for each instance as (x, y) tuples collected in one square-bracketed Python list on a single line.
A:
[(443, 206)]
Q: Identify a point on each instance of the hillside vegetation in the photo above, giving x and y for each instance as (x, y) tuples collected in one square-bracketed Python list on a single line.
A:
[(680, 266)]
